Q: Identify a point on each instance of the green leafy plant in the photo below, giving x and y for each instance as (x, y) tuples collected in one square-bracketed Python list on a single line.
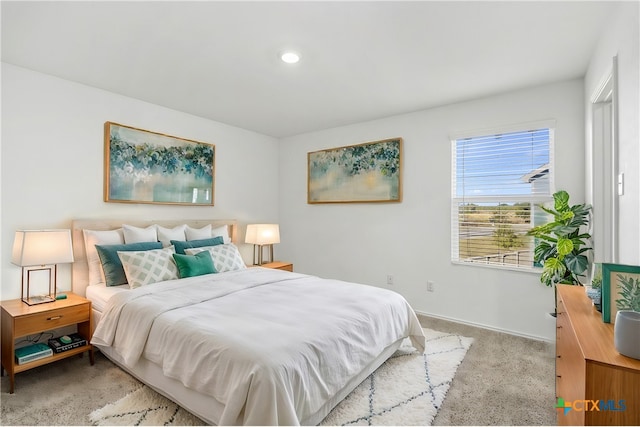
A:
[(596, 282), (629, 293), (561, 247)]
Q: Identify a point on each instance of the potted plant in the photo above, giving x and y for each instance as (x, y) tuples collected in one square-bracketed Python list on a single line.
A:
[(594, 290), (561, 244)]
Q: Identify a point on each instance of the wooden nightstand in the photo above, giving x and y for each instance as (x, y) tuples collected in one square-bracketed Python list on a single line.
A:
[(278, 265), (20, 320)]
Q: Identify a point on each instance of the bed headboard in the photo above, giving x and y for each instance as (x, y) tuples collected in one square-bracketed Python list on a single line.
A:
[(80, 269)]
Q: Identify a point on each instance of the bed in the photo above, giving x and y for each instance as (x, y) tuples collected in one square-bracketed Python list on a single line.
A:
[(243, 346)]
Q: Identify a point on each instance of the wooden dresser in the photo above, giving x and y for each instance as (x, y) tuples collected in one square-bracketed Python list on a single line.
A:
[(588, 367)]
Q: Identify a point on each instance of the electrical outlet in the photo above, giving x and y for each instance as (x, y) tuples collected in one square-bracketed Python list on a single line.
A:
[(389, 279), (430, 286)]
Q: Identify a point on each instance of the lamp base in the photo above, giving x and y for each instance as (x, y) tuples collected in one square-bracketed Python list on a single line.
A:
[(38, 300), (258, 254), (42, 298)]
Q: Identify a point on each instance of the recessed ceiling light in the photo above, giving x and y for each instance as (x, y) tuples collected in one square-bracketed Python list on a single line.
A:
[(290, 57)]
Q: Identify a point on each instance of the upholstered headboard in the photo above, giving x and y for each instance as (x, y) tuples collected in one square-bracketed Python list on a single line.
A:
[(80, 269)]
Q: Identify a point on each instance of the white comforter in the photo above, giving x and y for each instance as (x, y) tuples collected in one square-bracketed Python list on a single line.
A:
[(271, 346)]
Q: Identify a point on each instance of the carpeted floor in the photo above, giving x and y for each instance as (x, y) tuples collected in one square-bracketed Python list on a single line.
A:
[(406, 390), (503, 380)]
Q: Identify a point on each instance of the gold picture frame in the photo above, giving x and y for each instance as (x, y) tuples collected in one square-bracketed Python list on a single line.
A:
[(370, 172), (142, 166)]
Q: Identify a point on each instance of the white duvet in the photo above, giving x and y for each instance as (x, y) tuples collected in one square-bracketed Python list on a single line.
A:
[(271, 346)]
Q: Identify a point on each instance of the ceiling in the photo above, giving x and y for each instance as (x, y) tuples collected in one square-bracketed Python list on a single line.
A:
[(359, 60)]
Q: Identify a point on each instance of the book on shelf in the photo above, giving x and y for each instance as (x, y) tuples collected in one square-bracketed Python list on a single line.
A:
[(58, 346), (32, 352)]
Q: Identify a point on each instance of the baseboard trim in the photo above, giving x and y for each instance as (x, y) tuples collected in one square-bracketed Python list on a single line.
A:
[(480, 325)]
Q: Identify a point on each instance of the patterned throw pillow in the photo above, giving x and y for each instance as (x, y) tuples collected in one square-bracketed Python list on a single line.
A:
[(225, 257), (112, 265), (146, 267)]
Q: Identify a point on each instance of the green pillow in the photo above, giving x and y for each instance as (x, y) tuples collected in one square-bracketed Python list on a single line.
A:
[(181, 245), (111, 263), (194, 265)]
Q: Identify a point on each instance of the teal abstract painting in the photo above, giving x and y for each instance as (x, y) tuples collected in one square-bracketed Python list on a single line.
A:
[(362, 173), (149, 167)]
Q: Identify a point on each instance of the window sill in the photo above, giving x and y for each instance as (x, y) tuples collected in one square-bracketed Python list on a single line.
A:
[(530, 270)]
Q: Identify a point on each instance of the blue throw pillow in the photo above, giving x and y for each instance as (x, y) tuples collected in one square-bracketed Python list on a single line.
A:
[(190, 244), (111, 264), (195, 265)]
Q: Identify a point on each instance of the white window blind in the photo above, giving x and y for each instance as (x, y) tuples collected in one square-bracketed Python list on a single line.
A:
[(498, 179)]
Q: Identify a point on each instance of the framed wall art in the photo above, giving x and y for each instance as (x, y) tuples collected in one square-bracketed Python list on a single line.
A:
[(141, 166), (362, 173), (620, 289)]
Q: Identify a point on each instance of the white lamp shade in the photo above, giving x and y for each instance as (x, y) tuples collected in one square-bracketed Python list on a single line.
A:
[(42, 247), (262, 234)]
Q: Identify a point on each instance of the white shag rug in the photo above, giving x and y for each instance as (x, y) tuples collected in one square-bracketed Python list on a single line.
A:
[(408, 389)]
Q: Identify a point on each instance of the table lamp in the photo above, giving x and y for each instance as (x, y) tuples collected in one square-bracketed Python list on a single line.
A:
[(261, 235), (41, 251)]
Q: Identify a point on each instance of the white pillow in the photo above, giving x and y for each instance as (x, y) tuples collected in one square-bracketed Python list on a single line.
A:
[(225, 257), (136, 234), (145, 267), (198, 233), (221, 231), (165, 235), (99, 237)]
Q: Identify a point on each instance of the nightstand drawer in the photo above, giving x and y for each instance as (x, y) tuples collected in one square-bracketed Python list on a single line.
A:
[(279, 265), (287, 267), (37, 322)]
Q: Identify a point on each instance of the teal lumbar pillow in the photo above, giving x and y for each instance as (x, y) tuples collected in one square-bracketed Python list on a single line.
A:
[(194, 265), (190, 244)]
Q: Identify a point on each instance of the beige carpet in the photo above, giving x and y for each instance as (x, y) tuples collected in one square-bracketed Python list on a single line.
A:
[(406, 390), (503, 380)]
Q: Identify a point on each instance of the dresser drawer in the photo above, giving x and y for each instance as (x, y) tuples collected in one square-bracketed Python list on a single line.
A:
[(37, 322)]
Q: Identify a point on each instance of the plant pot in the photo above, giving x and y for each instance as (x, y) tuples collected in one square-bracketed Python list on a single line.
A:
[(595, 294), (626, 333)]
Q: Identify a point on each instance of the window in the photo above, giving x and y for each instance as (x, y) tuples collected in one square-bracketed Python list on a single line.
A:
[(498, 179)]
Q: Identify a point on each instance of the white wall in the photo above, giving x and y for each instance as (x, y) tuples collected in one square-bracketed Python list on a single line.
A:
[(411, 240), (621, 37), (52, 166), (52, 162)]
